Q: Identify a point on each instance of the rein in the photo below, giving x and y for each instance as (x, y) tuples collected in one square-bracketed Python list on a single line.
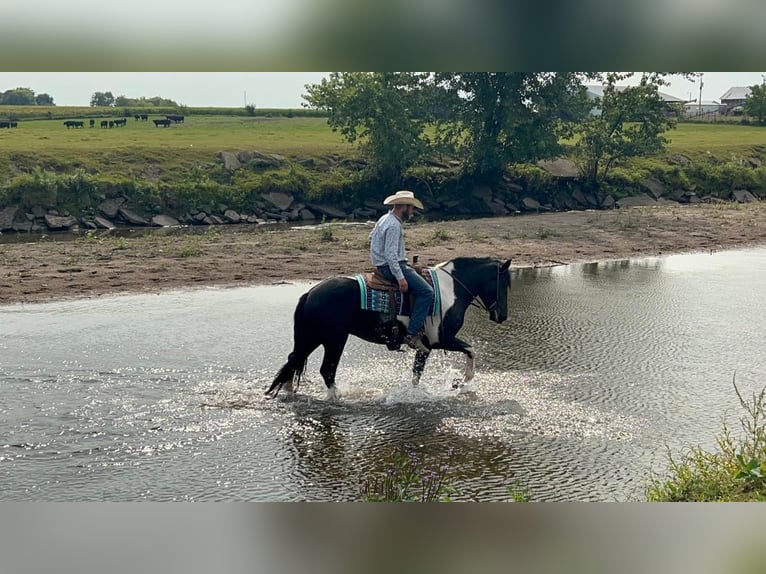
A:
[(480, 305)]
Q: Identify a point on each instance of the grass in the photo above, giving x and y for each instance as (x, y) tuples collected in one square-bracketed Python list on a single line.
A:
[(722, 140), (127, 150), (736, 472)]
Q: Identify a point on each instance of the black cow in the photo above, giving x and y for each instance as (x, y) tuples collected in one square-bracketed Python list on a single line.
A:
[(176, 119), (164, 123), (5, 125), (144, 117), (104, 124), (74, 124), (92, 123)]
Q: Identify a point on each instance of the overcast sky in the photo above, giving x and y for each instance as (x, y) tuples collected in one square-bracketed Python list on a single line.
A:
[(263, 89)]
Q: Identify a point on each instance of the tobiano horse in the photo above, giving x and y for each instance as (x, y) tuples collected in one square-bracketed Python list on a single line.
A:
[(330, 311)]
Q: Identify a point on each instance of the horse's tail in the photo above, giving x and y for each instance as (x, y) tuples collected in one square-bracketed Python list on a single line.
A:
[(292, 370)]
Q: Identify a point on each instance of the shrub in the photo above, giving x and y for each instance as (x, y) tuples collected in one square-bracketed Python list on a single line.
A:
[(736, 472)]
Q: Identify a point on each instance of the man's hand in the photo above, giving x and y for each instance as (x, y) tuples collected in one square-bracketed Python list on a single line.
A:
[(403, 285)]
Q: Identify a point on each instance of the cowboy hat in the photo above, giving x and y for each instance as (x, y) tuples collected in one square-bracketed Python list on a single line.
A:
[(403, 198)]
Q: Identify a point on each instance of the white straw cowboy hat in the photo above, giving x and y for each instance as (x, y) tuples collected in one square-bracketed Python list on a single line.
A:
[(403, 198)]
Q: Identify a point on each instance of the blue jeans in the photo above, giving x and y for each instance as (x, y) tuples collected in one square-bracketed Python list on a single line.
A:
[(424, 295)]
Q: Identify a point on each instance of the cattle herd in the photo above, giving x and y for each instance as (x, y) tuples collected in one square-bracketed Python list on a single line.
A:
[(120, 122)]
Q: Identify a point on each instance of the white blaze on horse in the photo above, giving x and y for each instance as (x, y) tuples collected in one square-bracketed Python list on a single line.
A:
[(331, 311)]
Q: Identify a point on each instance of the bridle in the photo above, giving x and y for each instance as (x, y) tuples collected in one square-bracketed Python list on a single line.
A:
[(475, 298)]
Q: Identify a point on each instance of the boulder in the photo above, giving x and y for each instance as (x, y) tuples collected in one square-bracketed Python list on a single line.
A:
[(103, 223), (327, 210), (653, 186), (131, 216), (608, 202), (482, 191), (110, 207), (279, 199), (58, 222), (679, 159), (229, 160), (164, 221), (7, 216), (636, 200), (231, 216), (530, 204), (561, 168), (742, 196)]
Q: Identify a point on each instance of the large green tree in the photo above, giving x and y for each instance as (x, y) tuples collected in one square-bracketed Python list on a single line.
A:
[(626, 121), (496, 118), (18, 97), (755, 103), (381, 110), (102, 99)]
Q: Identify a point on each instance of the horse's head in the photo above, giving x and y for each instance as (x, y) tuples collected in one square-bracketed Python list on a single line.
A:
[(494, 293)]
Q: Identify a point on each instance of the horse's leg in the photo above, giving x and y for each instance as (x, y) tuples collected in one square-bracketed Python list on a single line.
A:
[(332, 353), (456, 344), (417, 368)]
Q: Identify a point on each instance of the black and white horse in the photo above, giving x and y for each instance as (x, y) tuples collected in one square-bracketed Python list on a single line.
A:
[(330, 311)]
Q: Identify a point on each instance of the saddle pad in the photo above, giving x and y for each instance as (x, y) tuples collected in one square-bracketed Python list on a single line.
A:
[(372, 299)]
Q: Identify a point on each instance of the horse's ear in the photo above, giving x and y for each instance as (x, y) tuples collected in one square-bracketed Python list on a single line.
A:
[(505, 266)]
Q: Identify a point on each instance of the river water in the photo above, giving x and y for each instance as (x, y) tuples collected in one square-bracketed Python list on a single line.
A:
[(599, 370)]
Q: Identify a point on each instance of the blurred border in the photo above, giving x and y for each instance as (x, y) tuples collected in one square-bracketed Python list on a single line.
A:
[(301, 35), (338, 538)]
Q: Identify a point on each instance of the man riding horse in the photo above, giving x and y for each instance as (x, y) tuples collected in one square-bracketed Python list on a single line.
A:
[(388, 255)]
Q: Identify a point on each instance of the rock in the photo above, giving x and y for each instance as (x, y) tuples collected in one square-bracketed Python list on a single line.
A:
[(608, 202), (307, 215), (327, 210), (482, 191), (742, 196), (229, 160), (561, 168), (636, 200), (7, 216), (258, 159), (103, 223), (531, 204), (58, 222), (231, 216), (279, 199), (753, 162), (654, 186), (24, 226), (164, 221), (679, 159), (110, 207), (131, 216)]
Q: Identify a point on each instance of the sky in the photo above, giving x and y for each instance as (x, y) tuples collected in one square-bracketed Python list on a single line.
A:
[(262, 89)]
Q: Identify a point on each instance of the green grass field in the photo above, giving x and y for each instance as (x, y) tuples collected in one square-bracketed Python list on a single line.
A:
[(127, 150), (50, 144)]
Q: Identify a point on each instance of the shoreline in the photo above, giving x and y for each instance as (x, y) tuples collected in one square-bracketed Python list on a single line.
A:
[(228, 256)]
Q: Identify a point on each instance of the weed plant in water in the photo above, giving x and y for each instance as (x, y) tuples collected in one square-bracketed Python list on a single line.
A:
[(408, 479), (735, 472)]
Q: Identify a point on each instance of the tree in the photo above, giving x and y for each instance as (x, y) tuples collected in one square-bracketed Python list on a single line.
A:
[(755, 103), (493, 119), (44, 100), (625, 122), (18, 97), (102, 99), (378, 108)]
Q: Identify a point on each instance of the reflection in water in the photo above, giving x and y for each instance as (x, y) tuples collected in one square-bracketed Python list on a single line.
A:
[(159, 397)]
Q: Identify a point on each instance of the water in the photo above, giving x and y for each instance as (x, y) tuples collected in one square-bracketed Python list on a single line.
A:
[(597, 371)]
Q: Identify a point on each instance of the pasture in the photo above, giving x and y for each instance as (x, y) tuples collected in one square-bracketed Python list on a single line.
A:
[(50, 144), (127, 150)]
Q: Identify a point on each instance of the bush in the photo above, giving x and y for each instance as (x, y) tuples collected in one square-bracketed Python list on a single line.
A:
[(736, 472)]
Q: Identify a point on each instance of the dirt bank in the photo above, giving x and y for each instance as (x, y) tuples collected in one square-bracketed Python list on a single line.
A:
[(234, 255)]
